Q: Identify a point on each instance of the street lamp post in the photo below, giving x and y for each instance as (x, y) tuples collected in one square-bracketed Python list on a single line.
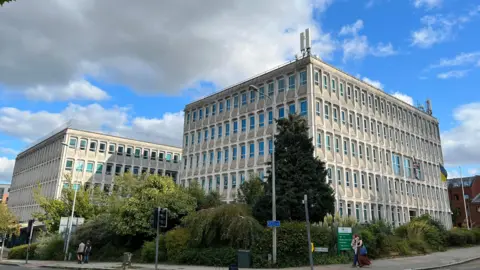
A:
[(70, 221), (464, 200), (274, 198)]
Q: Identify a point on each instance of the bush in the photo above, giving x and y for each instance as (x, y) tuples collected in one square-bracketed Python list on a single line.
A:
[(418, 245), (292, 246), (209, 256), (20, 252), (402, 247), (176, 242), (458, 237), (378, 237), (148, 251), (50, 247)]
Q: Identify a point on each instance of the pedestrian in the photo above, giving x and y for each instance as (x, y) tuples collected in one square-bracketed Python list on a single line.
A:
[(88, 250), (80, 252), (362, 257), (356, 244)]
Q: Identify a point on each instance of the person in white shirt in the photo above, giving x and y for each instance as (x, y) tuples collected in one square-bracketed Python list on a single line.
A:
[(80, 252)]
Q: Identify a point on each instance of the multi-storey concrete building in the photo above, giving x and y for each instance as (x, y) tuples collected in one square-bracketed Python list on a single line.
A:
[(92, 159), (382, 154)]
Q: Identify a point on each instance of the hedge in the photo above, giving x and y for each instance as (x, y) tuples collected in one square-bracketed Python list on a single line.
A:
[(176, 242), (224, 256), (20, 252), (148, 251)]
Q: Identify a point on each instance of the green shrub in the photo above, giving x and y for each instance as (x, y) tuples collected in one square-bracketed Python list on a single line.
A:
[(108, 252), (50, 247), (176, 242), (20, 252), (148, 251), (402, 247), (476, 232), (209, 256), (326, 259), (418, 245), (457, 237), (378, 237), (292, 245)]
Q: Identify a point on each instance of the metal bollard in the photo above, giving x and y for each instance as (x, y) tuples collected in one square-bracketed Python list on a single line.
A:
[(127, 260)]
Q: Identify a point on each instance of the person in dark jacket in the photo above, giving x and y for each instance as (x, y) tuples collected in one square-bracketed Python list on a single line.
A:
[(88, 250)]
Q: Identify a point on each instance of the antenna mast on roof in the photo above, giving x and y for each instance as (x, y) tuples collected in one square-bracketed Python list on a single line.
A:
[(305, 43)]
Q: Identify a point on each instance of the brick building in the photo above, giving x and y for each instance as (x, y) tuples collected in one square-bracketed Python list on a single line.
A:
[(471, 187)]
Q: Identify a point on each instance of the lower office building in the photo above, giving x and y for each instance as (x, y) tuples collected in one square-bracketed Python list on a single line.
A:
[(91, 159), (383, 155)]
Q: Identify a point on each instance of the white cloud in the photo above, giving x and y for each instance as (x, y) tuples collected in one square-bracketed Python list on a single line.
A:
[(453, 74), (439, 28), (460, 144), (356, 46), (152, 47), (376, 84), (6, 169), (382, 50), (8, 151), (428, 4), (74, 90), (472, 171), (405, 98), (29, 126), (459, 60)]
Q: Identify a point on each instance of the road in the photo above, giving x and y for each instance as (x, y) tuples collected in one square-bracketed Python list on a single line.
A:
[(474, 265), (13, 267)]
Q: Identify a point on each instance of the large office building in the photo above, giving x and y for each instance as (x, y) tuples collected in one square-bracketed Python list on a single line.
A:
[(383, 155), (88, 158)]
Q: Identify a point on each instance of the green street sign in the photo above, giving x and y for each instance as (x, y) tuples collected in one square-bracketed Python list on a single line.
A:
[(344, 238)]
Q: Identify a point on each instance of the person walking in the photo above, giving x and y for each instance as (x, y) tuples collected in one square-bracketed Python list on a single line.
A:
[(80, 252), (362, 257), (356, 244), (88, 250)]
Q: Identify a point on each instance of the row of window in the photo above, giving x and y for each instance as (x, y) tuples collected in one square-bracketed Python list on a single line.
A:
[(110, 168), (121, 150), (41, 155)]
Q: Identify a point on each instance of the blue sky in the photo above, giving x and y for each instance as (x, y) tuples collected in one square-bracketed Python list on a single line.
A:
[(132, 71)]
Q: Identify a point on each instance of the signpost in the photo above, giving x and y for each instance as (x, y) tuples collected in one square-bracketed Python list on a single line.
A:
[(273, 223), (344, 238)]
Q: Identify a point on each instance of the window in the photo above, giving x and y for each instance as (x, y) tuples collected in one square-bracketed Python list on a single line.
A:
[(270, 147), (93, 146), (205, 136), (270, 117), (212, 133), (137, 152), (319, 140), (281, 85), (111, 148), (270, 89), (72, 143), (244, 125), (355, 181), (341, 89), (252, 122), (261, 92), (228, 104), (360, 151), (219, 156), (194, 116), (129, 151), (317, 108), (327, 143), (226, 155), (291, 82), (192, 138), (235, 127), (214, 109), (244, 98), (374, 155), (362, 179), (220, 131), (145, 154), (281, 112), (343, 117), (347, 179), (169, 157), (261, 148), (153, 156), (337, 147), (303, 107), (252, 150), (407, 168), (329, 175), (325, 82), (118, 169), (207, 111), (345, 147), (353, 149), (227, 129), (102, 147), (317, 77), (69, 165), (83, 144), (79, 165), (303, 77), (334, 86), (349, 92), (235, 101), (211, 157), (339, 177), (200, 114), (291, 108), (234, 153), (367, 151), (99, 169), (199, 137), (335, 116), (327, 111), (261, 120), (396, 163), (234, 180), (220, 107), (242, 152), (253, 95), (90, 167)]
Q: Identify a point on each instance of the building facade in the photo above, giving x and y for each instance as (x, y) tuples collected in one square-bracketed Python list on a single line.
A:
[(90, 159), (4, 190), (382, 154), (471, 187)]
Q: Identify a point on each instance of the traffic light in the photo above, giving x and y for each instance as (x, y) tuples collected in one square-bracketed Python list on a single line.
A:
[(155, 217), (162, 219)]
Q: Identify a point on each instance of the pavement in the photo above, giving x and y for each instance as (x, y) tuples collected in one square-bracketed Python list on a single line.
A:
[(452, 259)]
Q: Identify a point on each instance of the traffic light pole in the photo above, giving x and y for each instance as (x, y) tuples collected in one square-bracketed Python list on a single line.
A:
[(158, 236), (29, 241), (307, 219)]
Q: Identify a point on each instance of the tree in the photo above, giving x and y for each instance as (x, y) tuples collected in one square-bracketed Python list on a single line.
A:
[(88, 204), (298, 172), (8, 221), (204, 200), (251, 191), (5, 1)]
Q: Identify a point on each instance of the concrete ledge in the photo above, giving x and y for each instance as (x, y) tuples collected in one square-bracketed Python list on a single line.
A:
[(448, 265)]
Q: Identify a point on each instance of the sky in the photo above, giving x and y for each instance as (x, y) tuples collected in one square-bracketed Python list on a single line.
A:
[(129, 67)]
